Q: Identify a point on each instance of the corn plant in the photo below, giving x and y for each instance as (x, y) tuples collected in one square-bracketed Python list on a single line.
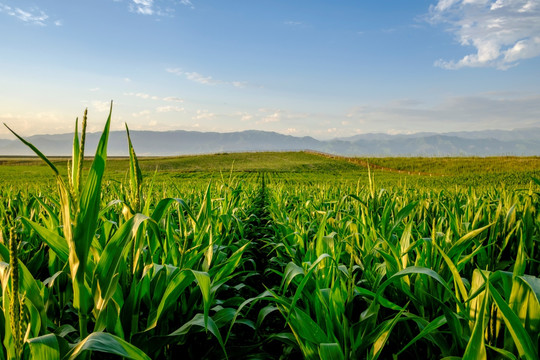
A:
[(272, 264), (79, 209)]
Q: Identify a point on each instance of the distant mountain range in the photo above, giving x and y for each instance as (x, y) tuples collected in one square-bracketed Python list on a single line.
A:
[(155, 143)]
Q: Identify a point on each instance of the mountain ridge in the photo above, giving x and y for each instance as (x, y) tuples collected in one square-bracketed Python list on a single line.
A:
[(519, 142)]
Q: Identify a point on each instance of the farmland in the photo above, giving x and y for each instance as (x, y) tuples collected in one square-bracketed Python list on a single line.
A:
[(269, 255)]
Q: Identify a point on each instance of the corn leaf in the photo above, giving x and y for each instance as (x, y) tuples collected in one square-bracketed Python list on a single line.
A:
[(457, 277), (402, 214), (383, 335), (431, 327), (107, 267), (174, 289), (56, 242), (44, 347), (524, 343), (109, 344), (463, 242), (331, 351), (476, 348), (200, 321), (203, 280)]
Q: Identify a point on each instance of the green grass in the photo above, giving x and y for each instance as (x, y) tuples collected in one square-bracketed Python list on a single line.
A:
[(302, 166), (454, 165), (196, 165)]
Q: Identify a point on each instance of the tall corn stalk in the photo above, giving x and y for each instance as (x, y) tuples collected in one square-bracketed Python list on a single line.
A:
[(15, 301), (79, 203)]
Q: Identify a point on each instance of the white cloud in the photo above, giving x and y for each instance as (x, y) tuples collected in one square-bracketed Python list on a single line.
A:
[(143, 7), (204, 115), (173, 98), (142, 96), (271, 117), (201, 79), (32, 123), (150, 7), (175, 71), (274, 116), (169, 108), (502, 31), (187, 3), (141, 113), (101, 106), (244, 116), (33, 16), (94, 89), (204, 79)]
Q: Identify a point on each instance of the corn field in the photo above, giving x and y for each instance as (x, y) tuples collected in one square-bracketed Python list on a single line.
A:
[(259, 266)]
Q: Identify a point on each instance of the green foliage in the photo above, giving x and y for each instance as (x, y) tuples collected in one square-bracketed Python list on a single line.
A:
[(289, 255)]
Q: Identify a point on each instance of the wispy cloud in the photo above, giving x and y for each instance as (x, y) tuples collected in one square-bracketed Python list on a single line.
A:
[(33, 15), (141, 113), (143, 7), (101, 106), (169, 108), (502, 31), (270, 118), (173, 98), (187, 3), (290, 131), (201, 79), (266, 116), (478, 112), (31, 123), (175, 71), (204, 115), (204, 79), (149, 7), (161, 109), (274, 116), (293, 23), (244, 116), (142, 96), (239, 84)]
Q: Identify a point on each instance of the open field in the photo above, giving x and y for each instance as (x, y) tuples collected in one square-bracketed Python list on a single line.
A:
[(270, 255), (437, 170)]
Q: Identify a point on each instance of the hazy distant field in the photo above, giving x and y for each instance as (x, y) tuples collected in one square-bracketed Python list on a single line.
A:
[(301, 165)]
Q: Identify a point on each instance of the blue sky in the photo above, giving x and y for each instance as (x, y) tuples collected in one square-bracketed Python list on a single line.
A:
[(319, 68)]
